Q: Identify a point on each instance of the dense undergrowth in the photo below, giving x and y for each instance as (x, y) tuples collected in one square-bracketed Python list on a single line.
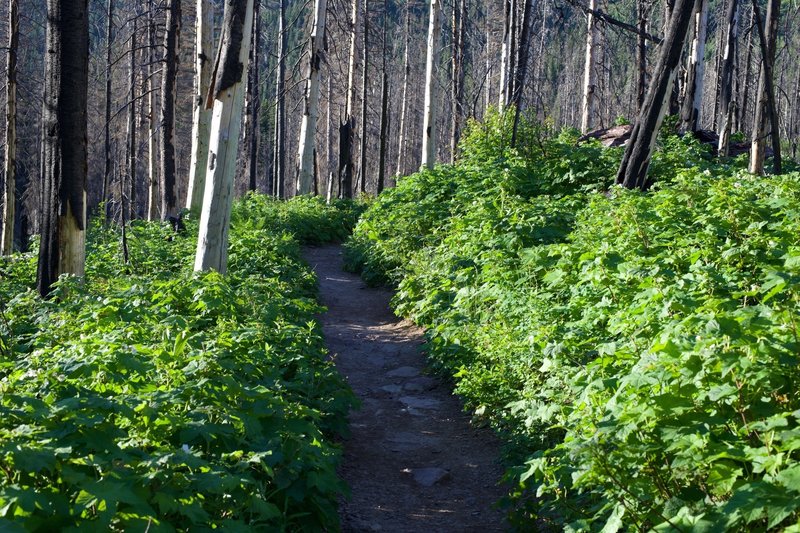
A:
[(152, 398), (638, 351)]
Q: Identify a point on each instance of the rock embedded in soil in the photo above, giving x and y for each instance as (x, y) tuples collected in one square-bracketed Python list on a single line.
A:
[(404, 372), (428, 477), (420, 384)]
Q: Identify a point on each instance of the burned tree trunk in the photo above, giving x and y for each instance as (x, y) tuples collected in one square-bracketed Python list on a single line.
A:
[(633, 170), (431, 93), (152, 179), (641, 53), (346, 133), (384, 108), (278, 167), (401, 143), (726, 113), (695, 72), (766, 111), (64, 146), (10, 192), (306, 152), (521, 73), (167, 131), (131, 127), (227, 98), (457, 79), (254, 102), (107, 126), (201, 120)]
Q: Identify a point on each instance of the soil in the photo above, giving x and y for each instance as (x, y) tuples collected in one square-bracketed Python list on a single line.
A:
[(413, 461)]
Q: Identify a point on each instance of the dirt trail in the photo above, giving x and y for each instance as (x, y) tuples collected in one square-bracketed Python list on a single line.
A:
[(413, 461)]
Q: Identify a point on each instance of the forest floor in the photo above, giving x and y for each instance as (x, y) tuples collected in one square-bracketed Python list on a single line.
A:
[(413, 461)]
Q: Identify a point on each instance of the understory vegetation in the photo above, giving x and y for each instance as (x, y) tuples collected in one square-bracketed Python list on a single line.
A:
[(152, 398), (637, 351)]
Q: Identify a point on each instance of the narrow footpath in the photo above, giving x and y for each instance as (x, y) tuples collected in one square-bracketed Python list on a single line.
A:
[(413, 461)]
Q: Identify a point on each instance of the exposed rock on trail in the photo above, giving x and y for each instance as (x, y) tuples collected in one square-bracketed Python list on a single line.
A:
[(413, 461)]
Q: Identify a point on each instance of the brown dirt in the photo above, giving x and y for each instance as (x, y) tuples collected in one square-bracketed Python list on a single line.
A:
[(413, 461)]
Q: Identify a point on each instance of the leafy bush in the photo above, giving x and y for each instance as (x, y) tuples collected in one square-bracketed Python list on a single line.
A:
[(639, 352), (154, 398), (308, 218)]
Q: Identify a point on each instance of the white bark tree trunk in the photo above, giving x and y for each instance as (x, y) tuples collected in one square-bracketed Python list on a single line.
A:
[(201, 121), (226, 123), (727, 80), (401, 143), (152, 177), (589, 108), (696, 69), (308, 127), (9, 192), (431, 96)]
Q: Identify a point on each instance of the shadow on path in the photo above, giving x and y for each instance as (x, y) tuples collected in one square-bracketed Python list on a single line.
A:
[(413, 461)]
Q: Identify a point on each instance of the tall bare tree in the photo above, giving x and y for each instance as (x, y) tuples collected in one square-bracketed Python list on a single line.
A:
[(431, 87), (152, 175), (308, 127), (346, 133), (766, 117), (253, 131), (201, 121), (589, 108), (167, 128), (227, 98), (402, 136), (9, 191), (278, 166), (633, 170), (107, 123), (64, 146), (727, 105), (695, 71)]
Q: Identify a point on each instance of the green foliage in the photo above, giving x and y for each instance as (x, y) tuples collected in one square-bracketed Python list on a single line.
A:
[(152, 398), (639, 352), (308, 218)]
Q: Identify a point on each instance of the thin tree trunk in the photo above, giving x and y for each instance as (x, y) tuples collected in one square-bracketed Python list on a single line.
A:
[(693, 99), (107, 126), (504, 53), (726, 79), (362, 167), (521, 74), (279, 172), (152, 177), (201, 119), (589, 111), (745, 99), (329, 138), (346, 136), (401, 143), (766, 112), (633, 170), (641, 53), (227, 98), (131, 148), (254, 100), (167, 131), (457, 79), (9, 191), (62, 249), (384, 107), (306, 152), (431, 85)]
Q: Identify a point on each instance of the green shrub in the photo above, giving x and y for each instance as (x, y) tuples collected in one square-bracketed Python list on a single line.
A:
[(638, 352), (153, 398)]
